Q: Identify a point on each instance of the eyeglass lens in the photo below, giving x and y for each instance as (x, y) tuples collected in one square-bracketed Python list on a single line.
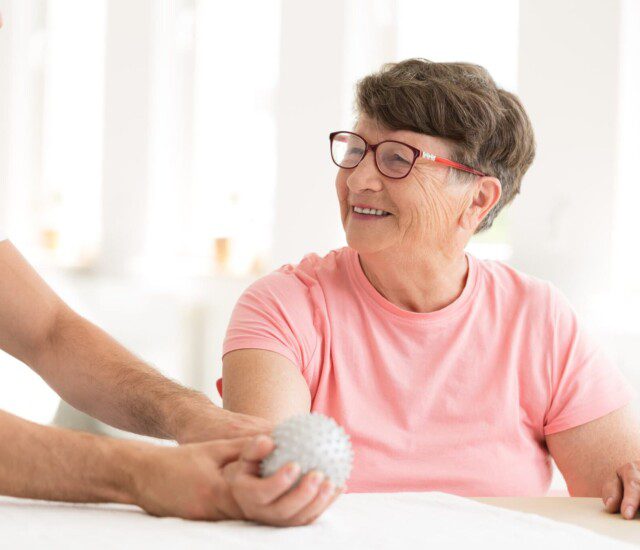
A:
[(393, 159)]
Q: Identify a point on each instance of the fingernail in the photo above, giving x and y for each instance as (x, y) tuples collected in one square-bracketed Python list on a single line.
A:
[(629, 512), (293, 470), (608, 501)]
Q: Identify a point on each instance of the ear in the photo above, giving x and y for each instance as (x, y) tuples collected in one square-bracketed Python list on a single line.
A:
[(486, 194)]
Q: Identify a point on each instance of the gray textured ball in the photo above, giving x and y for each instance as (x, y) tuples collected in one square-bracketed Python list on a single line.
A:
[(314, 441)]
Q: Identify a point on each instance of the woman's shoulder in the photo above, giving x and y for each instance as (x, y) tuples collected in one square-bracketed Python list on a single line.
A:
[(501, 277), (310, 272)]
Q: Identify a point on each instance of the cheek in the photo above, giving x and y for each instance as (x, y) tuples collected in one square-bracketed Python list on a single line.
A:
[(341, 185), (437, 208)]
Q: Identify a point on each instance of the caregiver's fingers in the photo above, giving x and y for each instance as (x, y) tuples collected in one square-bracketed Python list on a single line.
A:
[(254, 451), (612, 494), (630, 475), (226, 450), (326, 496)]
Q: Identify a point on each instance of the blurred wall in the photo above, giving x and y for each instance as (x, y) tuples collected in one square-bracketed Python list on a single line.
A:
[(155, 276)]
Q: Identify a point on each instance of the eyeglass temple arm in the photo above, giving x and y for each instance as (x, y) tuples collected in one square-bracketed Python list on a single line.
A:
[(451, 163)]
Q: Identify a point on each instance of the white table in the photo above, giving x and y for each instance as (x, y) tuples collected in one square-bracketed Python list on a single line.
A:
[(584, 512), (367, 521)]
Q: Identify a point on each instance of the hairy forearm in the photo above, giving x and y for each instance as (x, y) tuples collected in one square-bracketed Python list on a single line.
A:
[(50, 463), (95, 374)]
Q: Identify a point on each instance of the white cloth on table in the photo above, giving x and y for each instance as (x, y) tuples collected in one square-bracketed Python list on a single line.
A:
[(369, 521)]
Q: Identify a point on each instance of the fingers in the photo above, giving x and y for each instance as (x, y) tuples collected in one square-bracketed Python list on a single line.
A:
[(630, 475), (612, 495), (267, 500), (272, 500), (327, 495), (255, 450), (256, 491), (292, 503), (252, 425), (227, 450)]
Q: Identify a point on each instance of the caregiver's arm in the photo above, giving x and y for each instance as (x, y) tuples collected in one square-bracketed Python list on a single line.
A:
[(602, 459), (263, 383), (206, 481), (94, 373)]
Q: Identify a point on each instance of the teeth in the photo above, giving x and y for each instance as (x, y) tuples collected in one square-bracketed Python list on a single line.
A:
[(370, 211)]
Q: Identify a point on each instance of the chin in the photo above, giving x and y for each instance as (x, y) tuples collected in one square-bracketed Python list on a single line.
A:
[(365, 245)]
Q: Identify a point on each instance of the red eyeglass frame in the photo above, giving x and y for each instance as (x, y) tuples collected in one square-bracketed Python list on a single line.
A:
[(417, 153)]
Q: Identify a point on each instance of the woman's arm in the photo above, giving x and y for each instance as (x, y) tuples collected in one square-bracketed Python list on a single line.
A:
[(263, 383), (602, 459)]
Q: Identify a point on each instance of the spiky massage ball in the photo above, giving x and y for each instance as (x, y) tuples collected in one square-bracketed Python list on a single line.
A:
[(314, 441)]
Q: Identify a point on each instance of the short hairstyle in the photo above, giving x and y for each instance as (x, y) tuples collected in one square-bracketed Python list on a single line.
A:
[(460, 102)]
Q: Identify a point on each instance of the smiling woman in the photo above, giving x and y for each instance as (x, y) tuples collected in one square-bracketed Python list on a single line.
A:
[(450, 373)]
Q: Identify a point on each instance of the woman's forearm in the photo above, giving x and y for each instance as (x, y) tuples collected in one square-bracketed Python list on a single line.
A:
[(50, 463)]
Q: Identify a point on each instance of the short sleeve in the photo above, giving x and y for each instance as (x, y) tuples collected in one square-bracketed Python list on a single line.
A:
[(585, 384), (276, 314)]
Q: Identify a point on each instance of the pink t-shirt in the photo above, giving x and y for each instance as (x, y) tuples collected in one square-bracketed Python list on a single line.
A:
[(458, 400)]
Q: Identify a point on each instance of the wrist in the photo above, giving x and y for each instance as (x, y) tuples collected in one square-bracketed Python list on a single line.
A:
[(189, 416), (132, 461), (199, 425)]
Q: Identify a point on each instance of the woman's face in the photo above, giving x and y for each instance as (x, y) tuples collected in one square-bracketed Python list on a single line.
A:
[(424, 209)]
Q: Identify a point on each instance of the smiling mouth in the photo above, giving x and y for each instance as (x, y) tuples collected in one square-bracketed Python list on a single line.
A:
[(372, 212)]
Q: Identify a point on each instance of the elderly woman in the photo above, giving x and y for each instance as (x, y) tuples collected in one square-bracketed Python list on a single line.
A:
[(450, 373)]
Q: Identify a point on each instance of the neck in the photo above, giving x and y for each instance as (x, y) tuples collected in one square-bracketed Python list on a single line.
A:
[(419, 282)]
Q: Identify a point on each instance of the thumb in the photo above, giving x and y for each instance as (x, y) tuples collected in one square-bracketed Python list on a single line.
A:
[(255, 450), (227, 450)]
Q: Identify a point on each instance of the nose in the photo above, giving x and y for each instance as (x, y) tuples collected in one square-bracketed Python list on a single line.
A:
[(365, 176)]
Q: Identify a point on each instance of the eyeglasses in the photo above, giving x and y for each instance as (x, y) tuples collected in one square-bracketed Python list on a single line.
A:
[(393, 159)]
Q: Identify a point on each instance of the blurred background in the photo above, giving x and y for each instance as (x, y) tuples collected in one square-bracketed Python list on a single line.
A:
[(156, 156)]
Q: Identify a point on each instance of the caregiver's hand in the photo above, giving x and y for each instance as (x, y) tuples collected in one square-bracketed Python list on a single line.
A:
[(186, 481), (622, 492), (267, 500), (215, 423), (218, 480)]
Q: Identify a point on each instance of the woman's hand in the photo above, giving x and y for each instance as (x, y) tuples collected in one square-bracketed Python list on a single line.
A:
[(589, 457), (270, 500), (622, 492)]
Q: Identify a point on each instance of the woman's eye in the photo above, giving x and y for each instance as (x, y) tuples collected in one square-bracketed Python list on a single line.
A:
[(398, 158)]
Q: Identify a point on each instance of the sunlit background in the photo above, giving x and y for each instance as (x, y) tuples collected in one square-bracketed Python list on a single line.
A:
[(158, 156)]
